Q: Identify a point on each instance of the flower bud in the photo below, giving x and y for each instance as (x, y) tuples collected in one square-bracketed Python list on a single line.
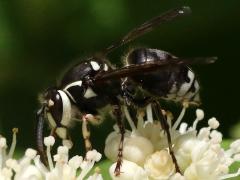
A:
[(129, 171), (135, 148), (159, 165)]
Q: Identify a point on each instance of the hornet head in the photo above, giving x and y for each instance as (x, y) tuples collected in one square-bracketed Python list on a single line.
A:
[(56, 108)]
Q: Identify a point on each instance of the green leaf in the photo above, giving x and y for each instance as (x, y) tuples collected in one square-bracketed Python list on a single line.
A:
[(235, 166), (104, 166)]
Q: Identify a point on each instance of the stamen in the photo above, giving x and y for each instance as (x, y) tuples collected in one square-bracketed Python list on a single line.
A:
[(204, 133), (12, 163), (216, 137), (39, 164), (3, 146), (199, 114), (149, 113), (14, 142), (30, 153), (140, 122), (61, 158), (93, 155), (129, 119), (213, 123), (199, 117), (75, 161), (183, 128), (86, 167), (49, 141), (179, 119)]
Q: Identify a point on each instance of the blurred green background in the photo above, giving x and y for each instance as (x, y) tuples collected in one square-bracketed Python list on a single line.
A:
[(39, 39)]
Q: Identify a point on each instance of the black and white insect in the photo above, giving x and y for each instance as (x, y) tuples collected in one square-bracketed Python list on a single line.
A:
[(93, 84)]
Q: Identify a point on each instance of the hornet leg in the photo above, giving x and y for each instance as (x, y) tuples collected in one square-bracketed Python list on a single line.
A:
[(165, 126), (86, 134), (88, 118), (118, 114), (39, 134)]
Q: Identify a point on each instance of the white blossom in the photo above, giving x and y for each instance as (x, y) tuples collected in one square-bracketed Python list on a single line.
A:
[(129, 171), (198, 152), (145, 156), (30, 167), (159, 165), (136, 148)]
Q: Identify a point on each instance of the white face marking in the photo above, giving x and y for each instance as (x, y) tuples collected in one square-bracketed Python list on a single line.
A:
[(89, 93), (50, 103), (66, 115), (185, 86), (61, 132), (95, 65), (105, 67)]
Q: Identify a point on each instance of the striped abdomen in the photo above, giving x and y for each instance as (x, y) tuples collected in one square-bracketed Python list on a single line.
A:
[(177, 83)]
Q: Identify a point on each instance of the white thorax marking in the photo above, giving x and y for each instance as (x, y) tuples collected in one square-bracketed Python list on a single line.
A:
[(95, 65), (105, 67), (89, 93), (76, 83), (66, 114)]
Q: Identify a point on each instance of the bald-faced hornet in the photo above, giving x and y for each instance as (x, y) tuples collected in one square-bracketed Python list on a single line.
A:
[(94, 83)]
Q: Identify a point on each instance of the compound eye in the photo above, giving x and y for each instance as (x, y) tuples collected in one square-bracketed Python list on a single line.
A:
[(55, 106)]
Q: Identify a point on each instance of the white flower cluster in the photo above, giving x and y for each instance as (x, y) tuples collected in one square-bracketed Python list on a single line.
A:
[(198, 152), (30, 167)]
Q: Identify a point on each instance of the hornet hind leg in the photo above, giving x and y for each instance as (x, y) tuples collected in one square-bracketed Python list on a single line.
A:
[(158, 111)]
